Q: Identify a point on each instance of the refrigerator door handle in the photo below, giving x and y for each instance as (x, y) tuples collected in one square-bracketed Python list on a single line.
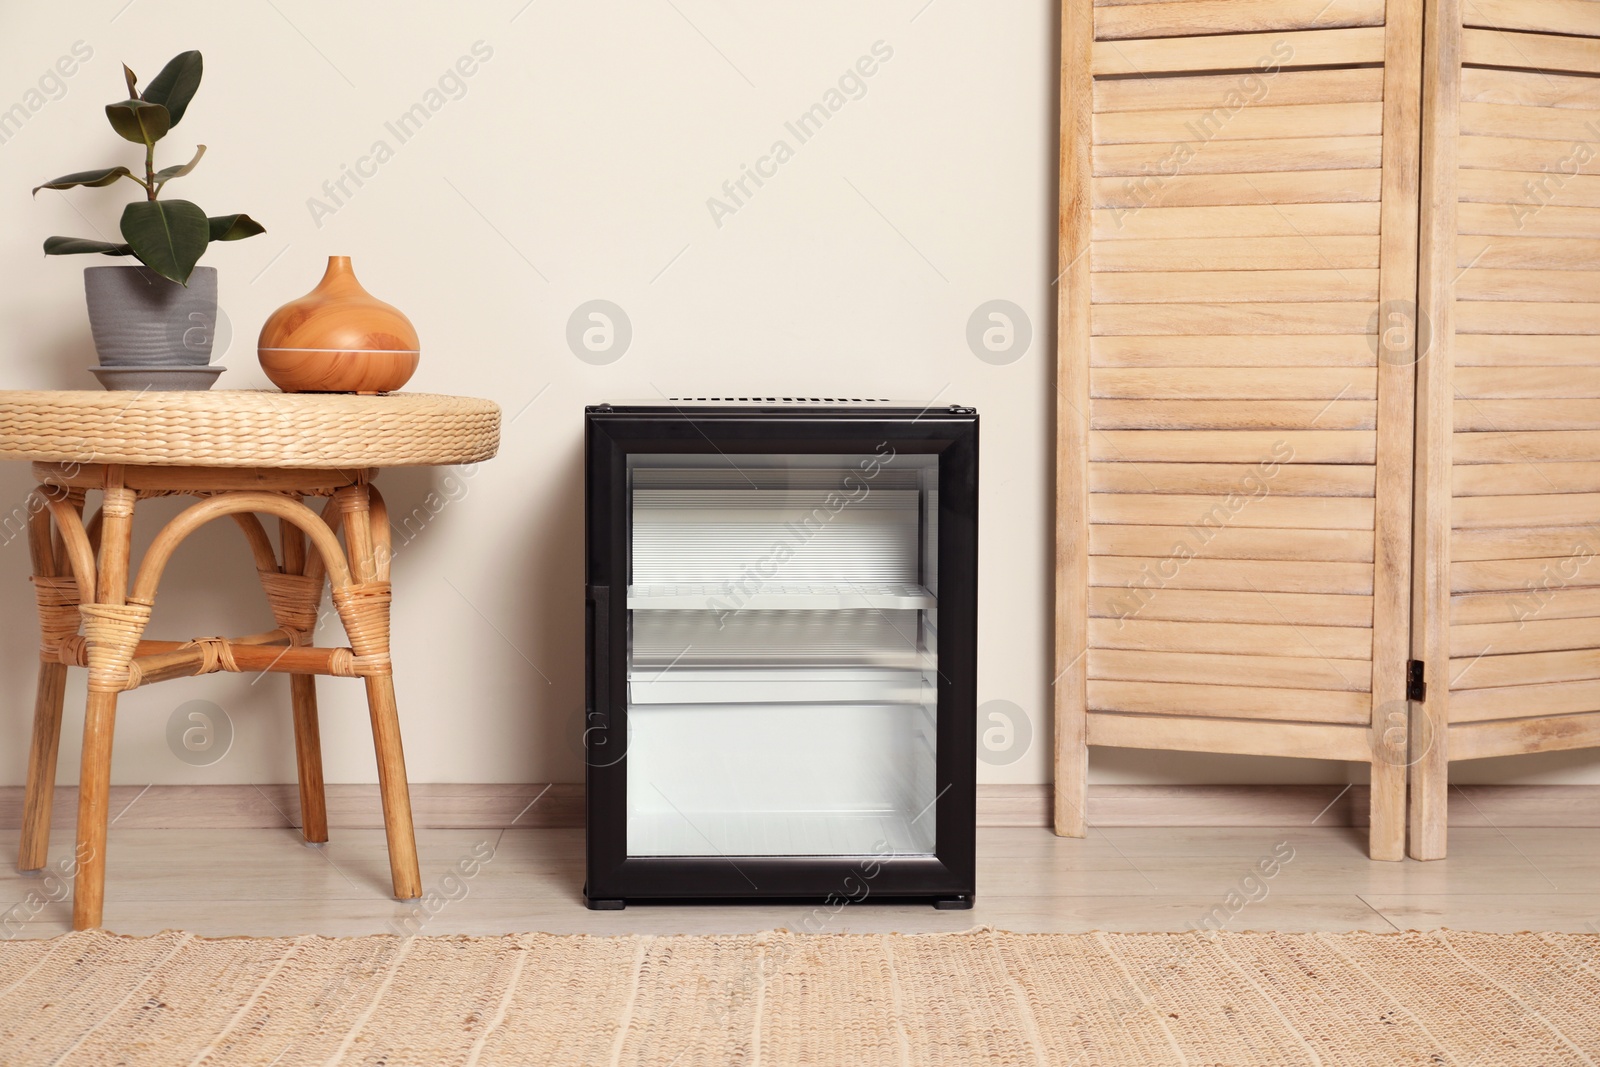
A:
[(597, 716)]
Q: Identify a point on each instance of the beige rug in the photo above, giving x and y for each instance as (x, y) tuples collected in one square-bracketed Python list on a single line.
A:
[(984, 997)]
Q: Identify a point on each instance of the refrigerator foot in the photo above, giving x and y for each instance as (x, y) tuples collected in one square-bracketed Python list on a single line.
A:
[(961, 903)]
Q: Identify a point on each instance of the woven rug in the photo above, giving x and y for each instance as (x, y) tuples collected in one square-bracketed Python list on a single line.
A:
[(778, 998)]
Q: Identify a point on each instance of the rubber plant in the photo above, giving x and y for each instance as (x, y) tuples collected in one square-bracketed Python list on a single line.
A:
[(168, 236)]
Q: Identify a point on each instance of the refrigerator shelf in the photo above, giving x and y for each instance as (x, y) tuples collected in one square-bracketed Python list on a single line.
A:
[(675, 684), (779, 596), (689, 503), (850, 637)]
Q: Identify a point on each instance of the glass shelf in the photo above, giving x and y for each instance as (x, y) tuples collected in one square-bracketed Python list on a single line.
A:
[(865, 637), (676, 684), (779, 596)]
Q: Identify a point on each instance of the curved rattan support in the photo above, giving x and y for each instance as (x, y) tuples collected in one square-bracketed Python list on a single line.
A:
[(41, 536), (197, 515), (293, 598), (96, 523), (382, 535), (333, 518), (52, 535), (260, 543), (75, 498), (75, 542)]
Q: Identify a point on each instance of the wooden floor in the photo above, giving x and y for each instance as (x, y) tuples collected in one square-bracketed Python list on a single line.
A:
[(266, 882)]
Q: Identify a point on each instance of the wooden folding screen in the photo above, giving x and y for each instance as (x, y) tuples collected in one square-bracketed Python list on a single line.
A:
[(1239, 188), (1508, 445)]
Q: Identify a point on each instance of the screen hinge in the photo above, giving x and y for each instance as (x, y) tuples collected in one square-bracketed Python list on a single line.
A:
[(1416, 683)]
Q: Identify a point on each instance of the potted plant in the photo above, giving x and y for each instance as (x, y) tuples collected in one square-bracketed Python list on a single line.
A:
[(153, 325)]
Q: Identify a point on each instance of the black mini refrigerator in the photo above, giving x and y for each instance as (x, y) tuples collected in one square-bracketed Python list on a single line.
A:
[(782, 646)]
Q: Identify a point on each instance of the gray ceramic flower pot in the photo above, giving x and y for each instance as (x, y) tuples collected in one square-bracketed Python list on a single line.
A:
[(140, 319)]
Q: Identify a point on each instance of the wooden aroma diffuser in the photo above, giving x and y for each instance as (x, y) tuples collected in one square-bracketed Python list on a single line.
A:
[(339, 338)]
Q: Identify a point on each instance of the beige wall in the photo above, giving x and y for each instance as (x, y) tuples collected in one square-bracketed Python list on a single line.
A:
[(576, 162)]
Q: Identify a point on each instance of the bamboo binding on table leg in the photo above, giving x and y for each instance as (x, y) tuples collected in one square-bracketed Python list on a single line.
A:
[(364, 608)]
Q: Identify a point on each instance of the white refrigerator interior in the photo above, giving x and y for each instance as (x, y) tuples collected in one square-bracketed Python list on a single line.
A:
[(782, 659)]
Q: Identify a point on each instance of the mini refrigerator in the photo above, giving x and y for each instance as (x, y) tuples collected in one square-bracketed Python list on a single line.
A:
[(782, 646)]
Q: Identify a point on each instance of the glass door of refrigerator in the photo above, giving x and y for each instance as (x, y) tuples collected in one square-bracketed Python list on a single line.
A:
[(782, 655)]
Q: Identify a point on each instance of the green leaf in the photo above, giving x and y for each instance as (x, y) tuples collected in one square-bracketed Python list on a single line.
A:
[(175, 86), (78, 246), (133, 82), (92, 179), (234, 227), (138, 121), (166, 174), (168, 236)]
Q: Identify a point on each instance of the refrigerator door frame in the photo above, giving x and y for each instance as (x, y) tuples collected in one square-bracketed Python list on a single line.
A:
[(947, 878)]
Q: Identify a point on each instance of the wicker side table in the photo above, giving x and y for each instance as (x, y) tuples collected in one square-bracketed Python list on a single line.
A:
[(245, 454)]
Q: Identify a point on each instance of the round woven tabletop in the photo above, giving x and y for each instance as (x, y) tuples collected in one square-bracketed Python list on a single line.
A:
[(247, 428)]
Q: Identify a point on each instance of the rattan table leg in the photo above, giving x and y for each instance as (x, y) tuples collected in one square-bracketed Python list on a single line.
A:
[(34, 850), (303, 698), (99, 722), (308, 758), (365, 612), (94, 793), (403, 867)]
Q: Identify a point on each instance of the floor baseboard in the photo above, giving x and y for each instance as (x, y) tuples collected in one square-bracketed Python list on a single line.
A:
[(560, 805)]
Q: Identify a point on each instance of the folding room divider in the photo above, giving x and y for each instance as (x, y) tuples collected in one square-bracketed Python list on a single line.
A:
[(1239, 441), (1508, 471)]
